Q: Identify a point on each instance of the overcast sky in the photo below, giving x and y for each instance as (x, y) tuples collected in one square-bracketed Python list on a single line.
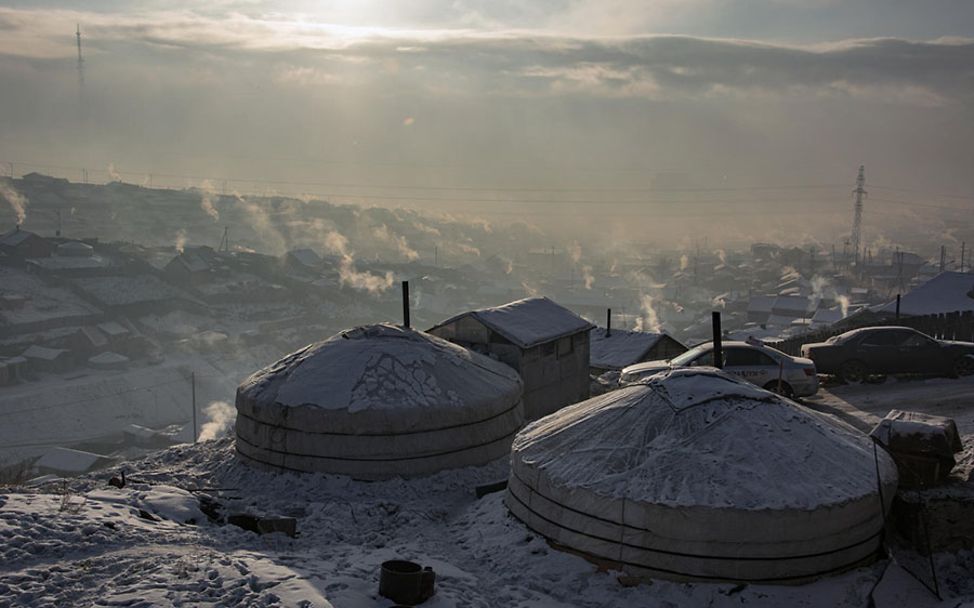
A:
[(496, 93)]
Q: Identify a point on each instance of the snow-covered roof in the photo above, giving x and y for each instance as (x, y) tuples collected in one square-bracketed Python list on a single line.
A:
[(528, 322), (621, 348), (946, 292), (113, 328), (760, 303), (75, 248), (42, 352), (108, 359), (791, 304), (700, 437), (191, 261), (828, 316), (306, 257), (68, 460), (382, 367), (15, 237)]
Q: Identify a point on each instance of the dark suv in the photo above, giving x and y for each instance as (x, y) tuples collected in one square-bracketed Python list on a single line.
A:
[(857, 354)]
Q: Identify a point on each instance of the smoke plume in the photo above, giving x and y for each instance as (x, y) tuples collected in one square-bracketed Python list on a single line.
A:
[(180, 243), (349, 275), (575, 250), (402, 245), (649, 321), (113, 174), (220, 417), (263, 225), (16, 200), (587, 276), (207, 196)]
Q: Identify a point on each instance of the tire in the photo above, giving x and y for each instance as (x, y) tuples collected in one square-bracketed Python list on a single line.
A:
[(964, 366), (786, 390), (853, 372)]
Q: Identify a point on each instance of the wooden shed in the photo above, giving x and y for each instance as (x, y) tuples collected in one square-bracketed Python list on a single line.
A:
[(547, 344)]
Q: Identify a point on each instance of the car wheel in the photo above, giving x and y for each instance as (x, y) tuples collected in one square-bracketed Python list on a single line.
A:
[(854, 372), (786, 390), (964, 366)]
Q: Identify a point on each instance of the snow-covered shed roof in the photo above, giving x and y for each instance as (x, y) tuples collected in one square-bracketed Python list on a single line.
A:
[(528, 322), (305, 257), (68, 460), (108, 359), (760, 303), (113, 328), (42, 352), (946, 292), (75, 248), (15, 237), (621, 348), (790, 304), (191, 261)]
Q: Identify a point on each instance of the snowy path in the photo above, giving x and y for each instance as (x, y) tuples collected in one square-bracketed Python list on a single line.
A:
[(99, 551), (866, 404)]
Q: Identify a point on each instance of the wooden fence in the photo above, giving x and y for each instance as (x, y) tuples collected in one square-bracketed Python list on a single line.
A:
[(945, 326)]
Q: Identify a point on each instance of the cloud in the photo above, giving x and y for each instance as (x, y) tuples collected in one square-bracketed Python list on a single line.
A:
[(509, 62)]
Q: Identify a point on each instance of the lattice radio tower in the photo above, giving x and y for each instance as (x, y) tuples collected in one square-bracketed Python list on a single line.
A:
[(860, 193), (81, 61)]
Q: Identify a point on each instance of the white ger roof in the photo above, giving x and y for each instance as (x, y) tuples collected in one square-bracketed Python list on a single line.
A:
[(528, 322), (701, 437), (382, 367)]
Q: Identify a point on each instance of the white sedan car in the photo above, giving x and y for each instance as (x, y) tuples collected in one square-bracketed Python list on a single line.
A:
[(757, 363)]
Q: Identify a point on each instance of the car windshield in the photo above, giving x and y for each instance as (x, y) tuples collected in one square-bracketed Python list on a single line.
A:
[(688, 357)]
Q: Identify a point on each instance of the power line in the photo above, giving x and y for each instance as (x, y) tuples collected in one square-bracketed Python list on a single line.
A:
[(555, 189), (89, 399)]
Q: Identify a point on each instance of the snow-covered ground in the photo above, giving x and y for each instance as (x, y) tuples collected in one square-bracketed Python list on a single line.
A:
[(85, 543), (864, 405)]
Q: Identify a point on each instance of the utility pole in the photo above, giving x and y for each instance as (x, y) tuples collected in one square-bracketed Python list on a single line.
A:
[(860, 193), (195, 429), (225, 242), (963, 247)]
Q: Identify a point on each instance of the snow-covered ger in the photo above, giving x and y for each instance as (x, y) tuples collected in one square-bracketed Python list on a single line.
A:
[(379, 401), (698, 475)]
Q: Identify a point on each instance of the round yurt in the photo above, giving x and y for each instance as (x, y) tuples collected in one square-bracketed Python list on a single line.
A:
[(697, 475), (379, 401)]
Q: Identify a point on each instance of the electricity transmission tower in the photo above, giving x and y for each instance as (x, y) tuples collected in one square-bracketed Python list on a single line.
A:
[(860, 193), (81, 61)]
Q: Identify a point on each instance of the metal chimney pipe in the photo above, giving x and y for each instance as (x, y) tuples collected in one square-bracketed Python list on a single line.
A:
[(405, 303), (608, 322), (718, 345), (897, 307)]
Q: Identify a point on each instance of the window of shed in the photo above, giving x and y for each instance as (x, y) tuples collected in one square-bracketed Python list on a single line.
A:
[(548, 349), (565, 347)]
